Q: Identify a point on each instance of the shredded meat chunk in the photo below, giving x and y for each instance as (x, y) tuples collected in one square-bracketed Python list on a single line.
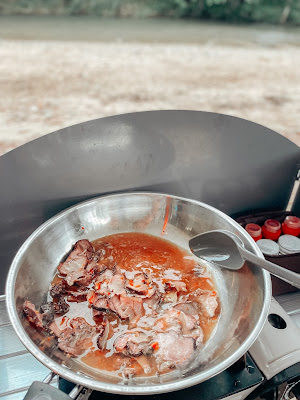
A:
[(133, 344), (58, 289), (34, 316), (173, 289), (208, 303), (127, 307), (74, 268), (103, 327), (77, 338), (173, 349), (141, 285)]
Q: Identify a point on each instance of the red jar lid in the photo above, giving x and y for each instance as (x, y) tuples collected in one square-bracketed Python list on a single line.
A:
[(254, 230), (272, 225), (292, 222)]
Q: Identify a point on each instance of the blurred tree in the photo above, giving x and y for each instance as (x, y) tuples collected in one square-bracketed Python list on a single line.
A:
[(270, 11)]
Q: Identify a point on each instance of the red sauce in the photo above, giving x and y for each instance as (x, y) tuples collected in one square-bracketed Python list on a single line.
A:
[(161, 260)]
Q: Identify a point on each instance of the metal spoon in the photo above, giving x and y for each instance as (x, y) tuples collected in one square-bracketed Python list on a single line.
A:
[(226, 250)]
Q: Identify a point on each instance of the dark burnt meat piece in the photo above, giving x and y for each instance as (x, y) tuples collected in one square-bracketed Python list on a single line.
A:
[(133, 344), (74, 268), (61, 307), (77, 338), (48, 312), (58, 289), (33, 316)]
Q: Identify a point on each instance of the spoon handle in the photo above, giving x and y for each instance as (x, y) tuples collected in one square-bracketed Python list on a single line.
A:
[(282, 273)]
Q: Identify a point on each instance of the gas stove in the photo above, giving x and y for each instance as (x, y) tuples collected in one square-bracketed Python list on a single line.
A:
[(269, 370)]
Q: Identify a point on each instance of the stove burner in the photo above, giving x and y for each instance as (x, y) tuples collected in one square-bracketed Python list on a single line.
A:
[(240, 376)]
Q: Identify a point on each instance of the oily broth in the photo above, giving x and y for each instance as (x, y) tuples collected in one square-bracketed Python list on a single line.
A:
[(156, 257)]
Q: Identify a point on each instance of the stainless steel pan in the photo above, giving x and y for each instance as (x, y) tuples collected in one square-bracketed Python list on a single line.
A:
[(245, 294)]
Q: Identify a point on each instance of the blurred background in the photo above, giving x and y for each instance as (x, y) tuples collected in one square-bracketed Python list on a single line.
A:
[(67, 61)]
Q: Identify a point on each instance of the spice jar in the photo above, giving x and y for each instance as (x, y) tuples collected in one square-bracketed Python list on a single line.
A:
[(271, 229), (254, 231), (291, 226), (289, 244), (268, 247)]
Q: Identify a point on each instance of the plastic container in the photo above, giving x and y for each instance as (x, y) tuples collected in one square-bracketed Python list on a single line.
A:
[(291, 226), (289, 244), (271, 229), (254, 231), (268, 247)]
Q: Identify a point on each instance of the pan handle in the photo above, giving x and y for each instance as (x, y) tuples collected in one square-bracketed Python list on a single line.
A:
[(44, 391)]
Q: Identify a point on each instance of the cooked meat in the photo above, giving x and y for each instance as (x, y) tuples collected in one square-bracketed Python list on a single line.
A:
[(61, 307), (34, 316), (188, 315), (172, 290), (126, 307), (117, 284), (77, 338), (187, 308), (109, 283), (178, 321), (101, 284), (177, 285), (100, 303), (170, 296), (208, 303), (103, 334), (53, 328), (133, 344), (98, 316), (48, 312), (58, 289), (173, 349), (74, 293), (77, 297), (74, 268), (152, 302), (144, 363), (138, 284), (96, 264), (129, 372), (198, 335)]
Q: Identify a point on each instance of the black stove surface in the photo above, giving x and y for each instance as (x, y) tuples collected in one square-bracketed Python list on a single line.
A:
[(240, 376)]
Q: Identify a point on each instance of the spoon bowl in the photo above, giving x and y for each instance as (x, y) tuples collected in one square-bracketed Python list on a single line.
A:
[(218, 247), (226, 250)]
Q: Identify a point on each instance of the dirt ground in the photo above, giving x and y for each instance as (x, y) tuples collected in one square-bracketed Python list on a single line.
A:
[(48, 85)]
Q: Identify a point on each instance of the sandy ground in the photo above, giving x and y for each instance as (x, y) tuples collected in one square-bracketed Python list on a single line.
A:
[(48, 85)]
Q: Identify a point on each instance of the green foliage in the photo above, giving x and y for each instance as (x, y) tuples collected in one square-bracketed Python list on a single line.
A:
[(270, 11)]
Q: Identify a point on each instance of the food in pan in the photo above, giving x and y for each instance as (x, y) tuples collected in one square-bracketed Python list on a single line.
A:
[(130, 303)]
